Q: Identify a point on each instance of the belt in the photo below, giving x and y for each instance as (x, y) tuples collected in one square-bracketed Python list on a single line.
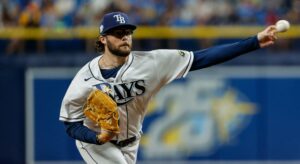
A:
[(123, 143)]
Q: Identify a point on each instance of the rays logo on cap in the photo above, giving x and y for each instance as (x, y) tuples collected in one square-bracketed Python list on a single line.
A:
[(114, 20), (119, 18)]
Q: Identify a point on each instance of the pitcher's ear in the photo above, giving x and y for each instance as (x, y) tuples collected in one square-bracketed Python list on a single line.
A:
[(102, 39)]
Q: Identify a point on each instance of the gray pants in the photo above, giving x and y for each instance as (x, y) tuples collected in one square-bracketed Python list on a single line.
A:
[(108, 153)]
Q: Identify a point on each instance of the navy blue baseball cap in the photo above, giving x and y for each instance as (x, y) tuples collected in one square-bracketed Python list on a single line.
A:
[(114, 20)]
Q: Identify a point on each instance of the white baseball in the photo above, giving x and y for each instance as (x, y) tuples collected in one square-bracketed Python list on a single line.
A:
[(282, 25)]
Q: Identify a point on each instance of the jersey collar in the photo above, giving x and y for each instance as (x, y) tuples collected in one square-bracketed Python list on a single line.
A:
[(95, 68)]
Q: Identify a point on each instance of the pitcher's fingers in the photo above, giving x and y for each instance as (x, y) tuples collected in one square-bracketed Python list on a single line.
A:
[(271, 29), (272, 37)]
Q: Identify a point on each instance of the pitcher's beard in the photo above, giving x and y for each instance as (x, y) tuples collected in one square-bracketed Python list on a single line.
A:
[(117, 51)]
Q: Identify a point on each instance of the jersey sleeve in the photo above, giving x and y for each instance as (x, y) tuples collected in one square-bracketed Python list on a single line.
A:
[(172, 64), (72, 104)]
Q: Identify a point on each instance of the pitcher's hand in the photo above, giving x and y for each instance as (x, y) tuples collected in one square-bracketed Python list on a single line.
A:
[(267, 37)]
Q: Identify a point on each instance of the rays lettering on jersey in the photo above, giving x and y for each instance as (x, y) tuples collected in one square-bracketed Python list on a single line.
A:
[(124, 92)]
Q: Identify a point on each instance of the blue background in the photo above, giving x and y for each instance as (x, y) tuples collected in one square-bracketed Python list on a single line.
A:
[(272, 134)]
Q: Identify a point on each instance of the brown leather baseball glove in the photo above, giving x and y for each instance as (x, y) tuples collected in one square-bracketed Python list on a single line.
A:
[(102, 110)]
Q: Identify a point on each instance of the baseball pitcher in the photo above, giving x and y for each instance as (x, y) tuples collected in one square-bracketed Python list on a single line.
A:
[(105, 104)]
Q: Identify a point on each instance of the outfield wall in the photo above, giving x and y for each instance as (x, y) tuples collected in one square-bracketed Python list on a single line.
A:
[(230, 113)]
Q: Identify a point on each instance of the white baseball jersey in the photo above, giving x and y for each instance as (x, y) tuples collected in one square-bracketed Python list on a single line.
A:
[(137, 81)]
